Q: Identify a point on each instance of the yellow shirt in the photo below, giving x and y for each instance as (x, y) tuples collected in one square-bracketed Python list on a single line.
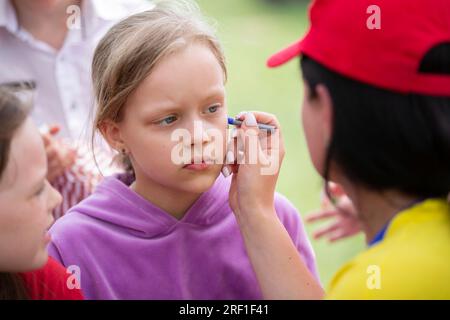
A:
[(411, 262)]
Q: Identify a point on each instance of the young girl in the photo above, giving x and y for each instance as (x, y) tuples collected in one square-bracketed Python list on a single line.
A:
[(26, 204), (376, 116), (162, 230)]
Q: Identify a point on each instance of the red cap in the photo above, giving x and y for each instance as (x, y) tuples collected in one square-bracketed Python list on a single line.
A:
[(377, 42)]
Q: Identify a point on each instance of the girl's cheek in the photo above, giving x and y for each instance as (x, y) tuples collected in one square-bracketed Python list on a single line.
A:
[(39, 207), (219, 130), (220, 123)]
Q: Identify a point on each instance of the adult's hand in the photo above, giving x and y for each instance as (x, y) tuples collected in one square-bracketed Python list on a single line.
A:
[(255, 161), (60, 156), (342, 214), (279, 268)]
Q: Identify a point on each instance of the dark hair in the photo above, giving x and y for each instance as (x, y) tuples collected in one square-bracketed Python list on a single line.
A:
[(12, 115), (386, 140)]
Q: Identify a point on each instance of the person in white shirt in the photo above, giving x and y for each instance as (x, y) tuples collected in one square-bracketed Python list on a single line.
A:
[(46, 47)]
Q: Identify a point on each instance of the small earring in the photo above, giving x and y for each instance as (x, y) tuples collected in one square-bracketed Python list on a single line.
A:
[(123, 151)]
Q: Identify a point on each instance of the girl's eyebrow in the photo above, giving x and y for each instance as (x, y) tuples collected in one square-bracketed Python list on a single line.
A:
[(171, 106), (214, 94), (156, 110)]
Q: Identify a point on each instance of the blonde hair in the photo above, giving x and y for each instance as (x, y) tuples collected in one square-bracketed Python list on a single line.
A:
[(130, 50)]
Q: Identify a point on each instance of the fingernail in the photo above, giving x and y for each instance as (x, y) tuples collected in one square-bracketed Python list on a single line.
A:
[(226, 171), (240, 114), (234, 133), (230, 157), (241, 156), (250, 120)]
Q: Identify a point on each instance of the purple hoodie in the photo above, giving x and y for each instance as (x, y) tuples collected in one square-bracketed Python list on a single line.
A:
[(127, 248)]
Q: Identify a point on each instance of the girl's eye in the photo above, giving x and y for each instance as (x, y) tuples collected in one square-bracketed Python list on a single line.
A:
[(213, 109), (167, 121)]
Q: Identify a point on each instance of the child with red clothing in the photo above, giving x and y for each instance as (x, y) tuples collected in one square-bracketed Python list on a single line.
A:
[(26, 204)]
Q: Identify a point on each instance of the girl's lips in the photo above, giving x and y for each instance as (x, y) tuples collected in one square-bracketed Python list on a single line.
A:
[(47, 238), (197, 166)]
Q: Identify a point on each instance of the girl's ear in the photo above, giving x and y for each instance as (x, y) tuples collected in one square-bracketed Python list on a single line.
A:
[(325, 105), (111, 132)]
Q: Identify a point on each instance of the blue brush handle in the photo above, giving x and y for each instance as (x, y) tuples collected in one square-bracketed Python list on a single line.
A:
[(261, 126)]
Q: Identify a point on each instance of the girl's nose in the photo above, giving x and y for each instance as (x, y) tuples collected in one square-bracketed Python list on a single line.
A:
[(199, 133), (55, 198)]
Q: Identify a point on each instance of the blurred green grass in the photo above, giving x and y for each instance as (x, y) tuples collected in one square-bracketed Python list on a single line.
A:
[(251, 31)]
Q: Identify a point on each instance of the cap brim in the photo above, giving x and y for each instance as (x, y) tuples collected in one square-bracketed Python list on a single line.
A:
[(285, 55)]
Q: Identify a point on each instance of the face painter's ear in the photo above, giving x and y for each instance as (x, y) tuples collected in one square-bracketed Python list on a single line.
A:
[(111, 132), (325, 105)]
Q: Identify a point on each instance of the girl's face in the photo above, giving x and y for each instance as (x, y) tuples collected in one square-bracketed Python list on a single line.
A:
[(26, 203), (185, 91)]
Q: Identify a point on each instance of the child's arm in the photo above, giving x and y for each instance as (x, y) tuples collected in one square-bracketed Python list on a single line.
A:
[(281, 272), (292, 221)]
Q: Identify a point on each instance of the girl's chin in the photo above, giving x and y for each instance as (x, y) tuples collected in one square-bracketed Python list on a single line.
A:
[(38, 262), (41, 259), (200, 183)]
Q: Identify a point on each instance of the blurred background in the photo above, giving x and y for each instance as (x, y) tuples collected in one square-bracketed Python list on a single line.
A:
[(251, 31)]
